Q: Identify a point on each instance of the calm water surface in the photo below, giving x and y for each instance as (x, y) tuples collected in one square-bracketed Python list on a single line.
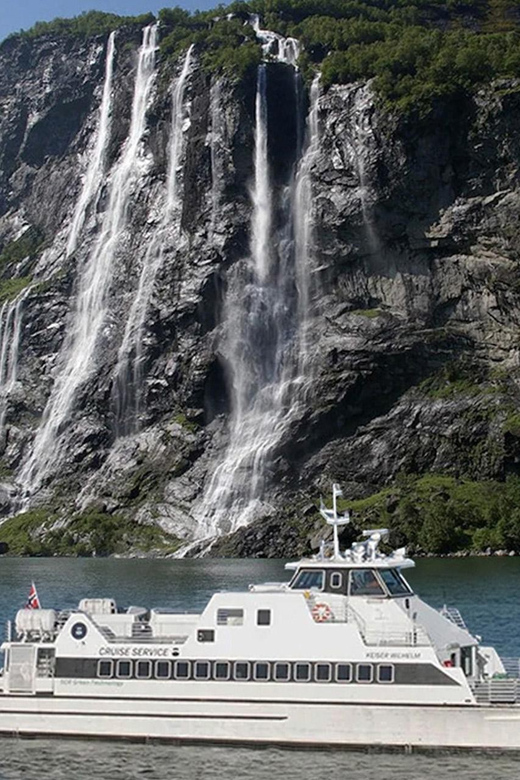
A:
[(486, 590)]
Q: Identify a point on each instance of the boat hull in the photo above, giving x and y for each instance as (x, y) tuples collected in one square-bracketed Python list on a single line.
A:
[(406, 727)]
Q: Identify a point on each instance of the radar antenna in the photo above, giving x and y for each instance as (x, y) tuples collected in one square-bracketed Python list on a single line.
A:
[(331, 517)]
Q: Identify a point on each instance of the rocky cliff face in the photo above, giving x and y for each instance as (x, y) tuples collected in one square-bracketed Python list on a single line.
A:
[(139, 358)]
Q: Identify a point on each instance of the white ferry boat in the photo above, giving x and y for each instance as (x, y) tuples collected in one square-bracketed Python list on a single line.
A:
[(343, 654)]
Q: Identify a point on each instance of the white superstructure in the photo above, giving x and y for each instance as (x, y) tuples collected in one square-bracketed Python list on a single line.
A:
[(343, 654)]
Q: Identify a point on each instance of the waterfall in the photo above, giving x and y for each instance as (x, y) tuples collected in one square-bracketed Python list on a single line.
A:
[(78, 352), (303, 218), (361, 141), (129, 368), (267, 303), (216, 141), (11, 316), (94, 176), (261, 194)]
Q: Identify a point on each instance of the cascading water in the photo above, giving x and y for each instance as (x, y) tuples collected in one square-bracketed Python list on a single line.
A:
[(267, 304), (361, 139), (303, 220), (129, 369), (77, 359), (11, 316), (95, 172)]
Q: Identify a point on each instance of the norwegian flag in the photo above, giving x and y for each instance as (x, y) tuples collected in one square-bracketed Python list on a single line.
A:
[(33, 602)]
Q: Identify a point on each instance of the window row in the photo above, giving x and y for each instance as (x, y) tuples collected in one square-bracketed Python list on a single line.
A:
[(266, 671)]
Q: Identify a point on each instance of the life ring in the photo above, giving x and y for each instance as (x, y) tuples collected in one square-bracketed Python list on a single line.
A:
[(321, 613)]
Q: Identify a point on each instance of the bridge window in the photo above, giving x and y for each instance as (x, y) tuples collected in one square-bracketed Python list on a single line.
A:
[(308, 579), (394, 582), (222, 670), (163, 670), (302, 672), (124, 669), (144, 669), (105, 668), (365, 673), (336, 580), (363, 582), (385, 673), (343, 672), (261, 671), (230, 617)]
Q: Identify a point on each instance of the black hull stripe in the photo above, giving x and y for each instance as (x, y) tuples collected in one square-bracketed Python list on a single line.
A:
[(156, 715), (260, 702)]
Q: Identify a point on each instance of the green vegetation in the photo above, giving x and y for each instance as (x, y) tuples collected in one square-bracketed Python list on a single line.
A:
[(10, 288), (85, 25), (455, 378), (512, 424), (27, 246), (438, 514), (415, 50), (371, 314), (93, 532)]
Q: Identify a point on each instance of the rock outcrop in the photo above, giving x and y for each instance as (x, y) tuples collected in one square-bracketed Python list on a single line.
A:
[(413, 306)]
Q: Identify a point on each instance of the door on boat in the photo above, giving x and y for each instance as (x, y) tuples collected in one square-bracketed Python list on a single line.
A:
[(21, 669)]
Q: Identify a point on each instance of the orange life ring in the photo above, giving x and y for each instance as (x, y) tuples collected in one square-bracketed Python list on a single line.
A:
[(321, 613)]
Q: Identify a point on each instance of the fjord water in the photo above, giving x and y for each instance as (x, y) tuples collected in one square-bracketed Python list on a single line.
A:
[(486, 590)]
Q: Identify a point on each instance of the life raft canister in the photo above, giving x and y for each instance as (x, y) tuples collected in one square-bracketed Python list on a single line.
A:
[(321, 613)]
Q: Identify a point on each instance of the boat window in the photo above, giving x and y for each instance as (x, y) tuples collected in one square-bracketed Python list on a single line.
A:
[(124, 669), (163, 669), (302, 672), (230, 617), (144, 669), (336, 580), (394, 582), (364, 673), (105, 668), (261, 671), (322, 672), (182, 670), (263, 617), (385, 673), (221, 670), (281, 671), (310, 578), (201, 670), (241, 670), (363, 582), (343, 672)]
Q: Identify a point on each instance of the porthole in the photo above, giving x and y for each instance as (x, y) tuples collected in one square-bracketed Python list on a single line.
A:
[(163, 670), (322, 672), (282, 671), (202, 670), (105, 668), (344, 673), (182, 670), (385, 673), (124, 669), (261, 670), (241, 670), (144, 669), (221, 670), (364, 673), (302, 672)]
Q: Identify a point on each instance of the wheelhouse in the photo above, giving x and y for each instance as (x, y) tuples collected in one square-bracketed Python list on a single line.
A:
[(371, 582)]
